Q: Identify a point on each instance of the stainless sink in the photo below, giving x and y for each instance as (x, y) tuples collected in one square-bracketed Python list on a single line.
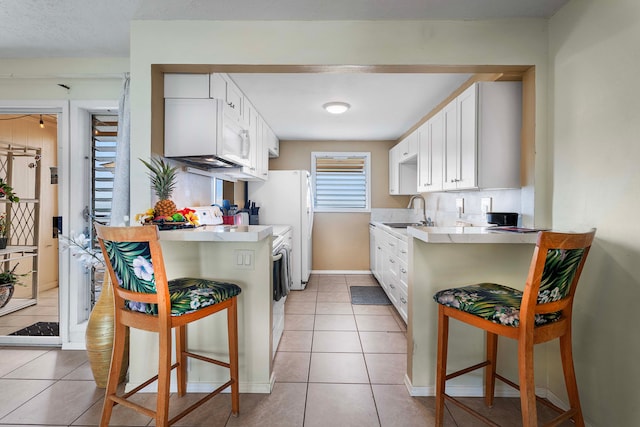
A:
[(402, 224)]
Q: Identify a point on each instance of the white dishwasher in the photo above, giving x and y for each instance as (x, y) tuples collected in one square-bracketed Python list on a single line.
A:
[(282, 239)]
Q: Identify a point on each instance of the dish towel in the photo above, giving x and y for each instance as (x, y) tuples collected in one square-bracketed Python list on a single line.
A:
[(281, 274)]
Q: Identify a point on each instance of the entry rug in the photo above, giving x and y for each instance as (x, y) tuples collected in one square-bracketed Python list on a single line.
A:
[(40, 329), (368, 295)]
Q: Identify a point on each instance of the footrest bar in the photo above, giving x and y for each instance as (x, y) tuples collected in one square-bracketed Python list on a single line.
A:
[(471, 411)]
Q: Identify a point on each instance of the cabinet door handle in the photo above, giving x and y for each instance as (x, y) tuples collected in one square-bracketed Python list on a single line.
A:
[(391, 261), (405, 154), (404, 301), (403, 270), (403, 251), (392, 244), (391, 286)]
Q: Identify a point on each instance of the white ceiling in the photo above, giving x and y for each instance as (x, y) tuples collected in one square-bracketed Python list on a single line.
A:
[(383, 105)]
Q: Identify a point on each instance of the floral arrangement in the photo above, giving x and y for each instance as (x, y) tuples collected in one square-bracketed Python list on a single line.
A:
[(7, 191), (183, 215), (80, 247)]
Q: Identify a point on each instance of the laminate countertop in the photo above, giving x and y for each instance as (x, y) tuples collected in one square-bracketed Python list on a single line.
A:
[(470, 235)]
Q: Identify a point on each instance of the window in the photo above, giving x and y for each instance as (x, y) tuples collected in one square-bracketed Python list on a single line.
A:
[(341, 182)]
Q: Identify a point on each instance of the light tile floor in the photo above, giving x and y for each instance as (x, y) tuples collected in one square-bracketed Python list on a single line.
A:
[(337, 365), (45, 311)]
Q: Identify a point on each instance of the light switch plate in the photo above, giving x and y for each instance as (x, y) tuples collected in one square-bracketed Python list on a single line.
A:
[(485, 205), (243, 259)]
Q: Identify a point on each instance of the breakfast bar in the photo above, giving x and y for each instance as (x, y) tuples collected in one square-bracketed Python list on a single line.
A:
[(445, 257), (240, 254)]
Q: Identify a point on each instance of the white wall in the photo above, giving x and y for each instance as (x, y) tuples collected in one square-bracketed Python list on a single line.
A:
[(595, 116)]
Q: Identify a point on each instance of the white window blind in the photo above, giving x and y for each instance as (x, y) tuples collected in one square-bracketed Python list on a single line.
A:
[(341, 181)]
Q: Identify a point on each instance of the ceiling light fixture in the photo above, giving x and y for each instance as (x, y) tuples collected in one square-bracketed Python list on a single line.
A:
[(336, 107), (41, 122)]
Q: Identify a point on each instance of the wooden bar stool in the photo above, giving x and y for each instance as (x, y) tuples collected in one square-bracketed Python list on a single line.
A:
[(539, 314), (145, 299)]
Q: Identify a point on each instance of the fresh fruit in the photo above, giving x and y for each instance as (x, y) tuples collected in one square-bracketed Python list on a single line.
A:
[(178, 217), (163, 180)]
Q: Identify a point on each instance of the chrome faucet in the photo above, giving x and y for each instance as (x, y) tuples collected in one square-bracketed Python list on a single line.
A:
[(424, 207)]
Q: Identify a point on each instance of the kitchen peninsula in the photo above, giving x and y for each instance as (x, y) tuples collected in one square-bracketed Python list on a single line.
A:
[(445, 257), (240, 254)]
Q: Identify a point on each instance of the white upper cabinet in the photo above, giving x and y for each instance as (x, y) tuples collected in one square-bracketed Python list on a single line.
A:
[(431, 154), (189, 86), (272, 143), (482, 143), (403, 166), (222, 87)]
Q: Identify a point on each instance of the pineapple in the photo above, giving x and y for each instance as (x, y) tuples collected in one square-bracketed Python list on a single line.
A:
[(163, 180)]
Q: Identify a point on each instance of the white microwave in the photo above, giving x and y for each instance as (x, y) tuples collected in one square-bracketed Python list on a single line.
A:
[(198, 128)]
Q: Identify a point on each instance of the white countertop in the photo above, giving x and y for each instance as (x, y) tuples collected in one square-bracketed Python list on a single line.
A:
[(219, 233), (469, 235), (400, 233)]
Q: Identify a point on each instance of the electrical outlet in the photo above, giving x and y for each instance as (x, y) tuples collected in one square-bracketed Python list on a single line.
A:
[(485, 205), (460, 206)]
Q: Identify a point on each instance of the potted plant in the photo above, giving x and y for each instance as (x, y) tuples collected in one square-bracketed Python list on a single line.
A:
[(8, 280), (4, 231), (7, 191)]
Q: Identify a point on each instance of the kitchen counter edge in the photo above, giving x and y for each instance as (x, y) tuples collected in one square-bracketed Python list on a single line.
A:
[(469, 235), (219, 233)]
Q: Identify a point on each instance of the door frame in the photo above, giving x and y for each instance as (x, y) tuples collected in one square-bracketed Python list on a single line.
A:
[(61, 109)]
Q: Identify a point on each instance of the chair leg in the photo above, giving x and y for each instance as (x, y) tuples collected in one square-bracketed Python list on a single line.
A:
[(441, 369), (181, 346), (164, 377), (232, 326), (527, 383), (117, 354), (490, 370), (566, 353)]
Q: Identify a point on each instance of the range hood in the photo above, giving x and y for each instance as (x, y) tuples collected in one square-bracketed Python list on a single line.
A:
[(206, 162)]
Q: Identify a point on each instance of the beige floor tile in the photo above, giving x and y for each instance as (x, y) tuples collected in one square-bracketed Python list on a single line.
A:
[(38, 311), (386, 368), (295, 307), (82, 372), (302, 296), (284, 407), (54, 364), (383, 342), (296, 341), (503, 412), (394, 404), (312, 286), (361, 279), (331, 278), (335, 322), (298, 322), (19, 321), (62, 403), (120, 416), (213, 413), (336, 342), (291, 367), (333, 308), (14, 358), (367, 322), (338, 368), (401, 324), (343, 297), (340, 405), (14, 393), (377, 310), (332, 287)]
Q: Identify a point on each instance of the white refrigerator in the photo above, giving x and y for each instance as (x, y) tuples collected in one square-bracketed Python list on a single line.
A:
[(286, 199)]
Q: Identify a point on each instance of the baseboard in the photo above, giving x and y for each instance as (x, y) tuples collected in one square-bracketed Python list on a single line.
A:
[(347, 272)]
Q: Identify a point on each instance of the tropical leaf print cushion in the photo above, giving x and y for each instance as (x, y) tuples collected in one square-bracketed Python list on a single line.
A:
[(132, 265), (501, 304)]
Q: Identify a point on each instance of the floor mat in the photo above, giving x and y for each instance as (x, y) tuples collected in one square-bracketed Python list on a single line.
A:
[(40, 329), (368, 295)]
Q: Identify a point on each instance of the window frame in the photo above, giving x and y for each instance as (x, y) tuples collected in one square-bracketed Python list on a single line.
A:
[(367, 168)]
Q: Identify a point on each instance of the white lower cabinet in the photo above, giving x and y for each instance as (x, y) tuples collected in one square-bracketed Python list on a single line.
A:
[(389, 266)]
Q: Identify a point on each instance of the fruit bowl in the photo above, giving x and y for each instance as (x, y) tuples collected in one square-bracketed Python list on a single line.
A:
[(170, 225)]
